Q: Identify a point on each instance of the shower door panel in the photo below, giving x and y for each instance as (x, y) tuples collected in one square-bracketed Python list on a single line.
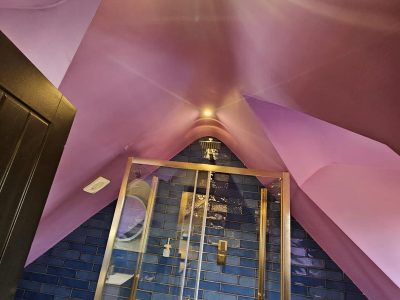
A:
[(246, 215), (233, 217), (156, 248)]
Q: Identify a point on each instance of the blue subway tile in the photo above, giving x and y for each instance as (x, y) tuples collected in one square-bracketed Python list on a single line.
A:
[(273, 295), (80, 294), (331, 265), (326, 294), (156, 296), (44, 278), (308, 262), (242, 252), (333, 275), (351, 287), (213, 231), (273, 276), (86, 275), (96, 241), (209, 285), (155, 287), (232, 260), (29, 295), (296, 270), (94, 232), (299, 297), (317, 253), (273, 286), (218, 277), (237, 290), (83, 248), (51, 261), (351, 296), (207, 266), (247, 281), (61, 271), (297, 289), (92, 286), (208, 295), (117, 291), (78, 265), (74, 283), (36, 268), (308, 281), (55, 290), (239, 271), (249, 245), (143, 295), (251, 263), (63, 245), (233, 225), (244, 298), (30, 285), (69, 254), (91, 258), (156, 268), (169, 261)]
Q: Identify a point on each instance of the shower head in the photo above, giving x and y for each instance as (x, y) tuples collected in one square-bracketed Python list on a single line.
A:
[(210, 149)]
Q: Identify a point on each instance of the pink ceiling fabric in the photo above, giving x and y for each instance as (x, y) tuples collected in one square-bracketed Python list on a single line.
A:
[(141, 73), (48, 32), (336, 60)]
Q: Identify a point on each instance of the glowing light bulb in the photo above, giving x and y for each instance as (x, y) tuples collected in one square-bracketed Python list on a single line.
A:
[(207, 113)]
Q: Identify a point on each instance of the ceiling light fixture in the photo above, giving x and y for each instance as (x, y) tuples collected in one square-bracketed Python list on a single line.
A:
[(207, 113)]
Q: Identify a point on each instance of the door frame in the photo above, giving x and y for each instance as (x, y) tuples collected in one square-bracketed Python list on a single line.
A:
[(283, 177)]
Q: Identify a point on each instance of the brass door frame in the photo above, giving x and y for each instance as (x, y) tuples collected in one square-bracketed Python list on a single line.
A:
[(284, 178), (262, 249)]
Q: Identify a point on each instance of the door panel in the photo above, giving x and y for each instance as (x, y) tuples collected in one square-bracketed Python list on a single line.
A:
[(15, 116), (35, 120), (20, 170)]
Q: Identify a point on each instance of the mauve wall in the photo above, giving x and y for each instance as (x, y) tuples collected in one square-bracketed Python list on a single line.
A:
[(70, 269)]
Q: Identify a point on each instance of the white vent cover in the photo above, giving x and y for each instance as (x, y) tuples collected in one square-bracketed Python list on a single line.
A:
[(96, 185)]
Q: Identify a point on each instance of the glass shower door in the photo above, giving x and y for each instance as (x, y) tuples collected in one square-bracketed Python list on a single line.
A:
[(187, 231), (158, 240), (230, 266)]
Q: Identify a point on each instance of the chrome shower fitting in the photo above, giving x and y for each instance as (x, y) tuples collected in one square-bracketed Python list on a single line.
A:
[(210, 149)]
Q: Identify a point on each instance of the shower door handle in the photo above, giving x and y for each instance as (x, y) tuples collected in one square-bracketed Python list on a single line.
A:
[(222, 252)]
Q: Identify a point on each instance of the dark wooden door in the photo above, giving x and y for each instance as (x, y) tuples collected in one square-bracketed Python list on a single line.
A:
[(35, 119)]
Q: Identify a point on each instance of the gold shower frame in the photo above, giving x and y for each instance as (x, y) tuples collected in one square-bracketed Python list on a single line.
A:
[(284, 177)]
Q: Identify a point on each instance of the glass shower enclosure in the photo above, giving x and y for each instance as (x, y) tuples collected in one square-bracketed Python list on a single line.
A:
[(196, 231)]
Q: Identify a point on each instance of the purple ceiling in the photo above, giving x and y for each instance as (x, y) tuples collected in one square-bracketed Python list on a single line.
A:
[(302, 85)]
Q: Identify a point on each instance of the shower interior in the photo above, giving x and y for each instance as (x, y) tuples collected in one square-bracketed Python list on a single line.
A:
[(191, 231)]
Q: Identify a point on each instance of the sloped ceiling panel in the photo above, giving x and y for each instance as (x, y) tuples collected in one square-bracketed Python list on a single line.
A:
[(48, 32), (335, 60)]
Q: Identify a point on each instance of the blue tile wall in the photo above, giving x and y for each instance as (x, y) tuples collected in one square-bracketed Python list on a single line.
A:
[(70, 270)]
